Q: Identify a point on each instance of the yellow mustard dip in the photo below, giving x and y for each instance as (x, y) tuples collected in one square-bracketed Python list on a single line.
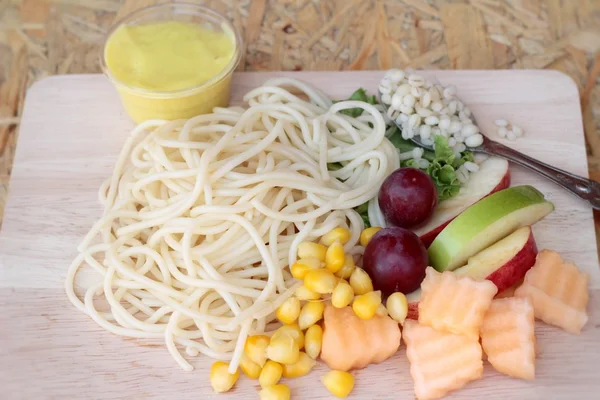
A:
[(169, 56)]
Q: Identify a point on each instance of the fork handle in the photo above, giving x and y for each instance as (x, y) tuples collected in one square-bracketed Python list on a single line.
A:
[(585, 189)]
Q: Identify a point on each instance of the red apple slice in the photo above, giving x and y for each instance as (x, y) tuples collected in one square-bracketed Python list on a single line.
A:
[(505, 262), (493, 175)]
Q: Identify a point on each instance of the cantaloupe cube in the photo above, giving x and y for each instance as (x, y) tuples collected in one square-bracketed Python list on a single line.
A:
[(440, 362), (454, 304), (508, 337), (558, 291)]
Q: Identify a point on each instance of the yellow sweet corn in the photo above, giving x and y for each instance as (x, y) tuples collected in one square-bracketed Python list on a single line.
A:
[(312, 250), (275, 392), (335, 257), (320, 281), (300, 368), (313, 340), (292, 330), (271, 374), (342, 295), (310, 314), (360, 281), (397, 306), (303, 265), (283, 349), (365, 305), (339, 383), (288, 312), (256, 348), (303, 293), (249, 367), (349, 266), (367, 234), (220, 379), (341, 235)]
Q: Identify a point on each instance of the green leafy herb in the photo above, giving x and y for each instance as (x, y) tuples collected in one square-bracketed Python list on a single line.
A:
[(358, 95), (363, 211)]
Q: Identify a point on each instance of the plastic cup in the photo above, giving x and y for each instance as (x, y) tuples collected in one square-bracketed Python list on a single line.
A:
[(142, 104)]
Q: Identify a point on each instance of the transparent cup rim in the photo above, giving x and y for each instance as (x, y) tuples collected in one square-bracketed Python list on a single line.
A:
[(196, 9)]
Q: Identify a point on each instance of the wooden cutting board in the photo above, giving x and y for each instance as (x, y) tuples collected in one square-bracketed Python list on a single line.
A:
[(72, 130)]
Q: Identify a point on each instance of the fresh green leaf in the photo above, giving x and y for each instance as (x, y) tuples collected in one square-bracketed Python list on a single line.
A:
[(443, 152), (358, 95), (404, 145), (363, 211)]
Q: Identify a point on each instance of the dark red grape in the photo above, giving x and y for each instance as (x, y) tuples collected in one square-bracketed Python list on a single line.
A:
[(395, 259), (407, 197)]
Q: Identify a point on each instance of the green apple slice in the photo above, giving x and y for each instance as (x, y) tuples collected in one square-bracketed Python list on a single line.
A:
[(484, 223)]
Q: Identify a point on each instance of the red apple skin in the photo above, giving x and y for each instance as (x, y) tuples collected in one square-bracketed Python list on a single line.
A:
[(429, 237), (514, 269), (413, 311)]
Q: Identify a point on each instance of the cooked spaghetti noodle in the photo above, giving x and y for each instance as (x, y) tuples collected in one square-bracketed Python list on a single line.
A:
[(203, 216)]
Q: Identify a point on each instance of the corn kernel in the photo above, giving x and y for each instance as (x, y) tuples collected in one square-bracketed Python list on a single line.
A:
[(310, 314), (283, 349), (220, 379), (365, 305), (300, 368), (349, 266), (335, 257), (320, 281), (256, 348), (292, 330), (303, 293), (275, 392), (303, 265), (312, 250), (342, 295), (397, 306), (313, 340), (367, 234), (341, 235), (360, 281), (288, 312), (339, 383), (249, 367), (381, 310), (270, 374)]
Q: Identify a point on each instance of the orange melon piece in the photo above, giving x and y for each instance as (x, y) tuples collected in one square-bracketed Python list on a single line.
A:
[(440, 362), (352, 343), (508, 337), (558, 291), (454, 304)]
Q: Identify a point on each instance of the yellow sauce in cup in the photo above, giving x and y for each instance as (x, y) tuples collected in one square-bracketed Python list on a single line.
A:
[(169, 69)]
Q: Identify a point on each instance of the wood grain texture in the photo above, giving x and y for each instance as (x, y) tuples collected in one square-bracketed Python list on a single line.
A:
[(73, 128)]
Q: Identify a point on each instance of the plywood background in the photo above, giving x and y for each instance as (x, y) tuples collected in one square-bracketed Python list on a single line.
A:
[(46, 37)]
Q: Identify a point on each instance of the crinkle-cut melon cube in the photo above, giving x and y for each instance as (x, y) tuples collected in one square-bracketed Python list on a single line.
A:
[(454, 304), (439, 361), (558, 291), (508, 337)]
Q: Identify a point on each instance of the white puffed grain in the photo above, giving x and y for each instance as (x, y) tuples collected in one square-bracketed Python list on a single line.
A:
[(459, 147), (397, 100), (427, 142), (403, 89), (414, 120), (409, 100), (396, 75), (437, 106), (416, 80), (474, 141), (459, 138), (468, 130), (426, 99), (417, 153), (406, 109), (517, 130), (452, 107), (471, 166), (425, 131), (510, 135), (501, 122), (451, 142), (386, 98), (416, 91), (423, 112), (432, 120), (467, 111), (455, 126), (423, 163), (444, 122), (502, 131), (449, 92), (435, 131)]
